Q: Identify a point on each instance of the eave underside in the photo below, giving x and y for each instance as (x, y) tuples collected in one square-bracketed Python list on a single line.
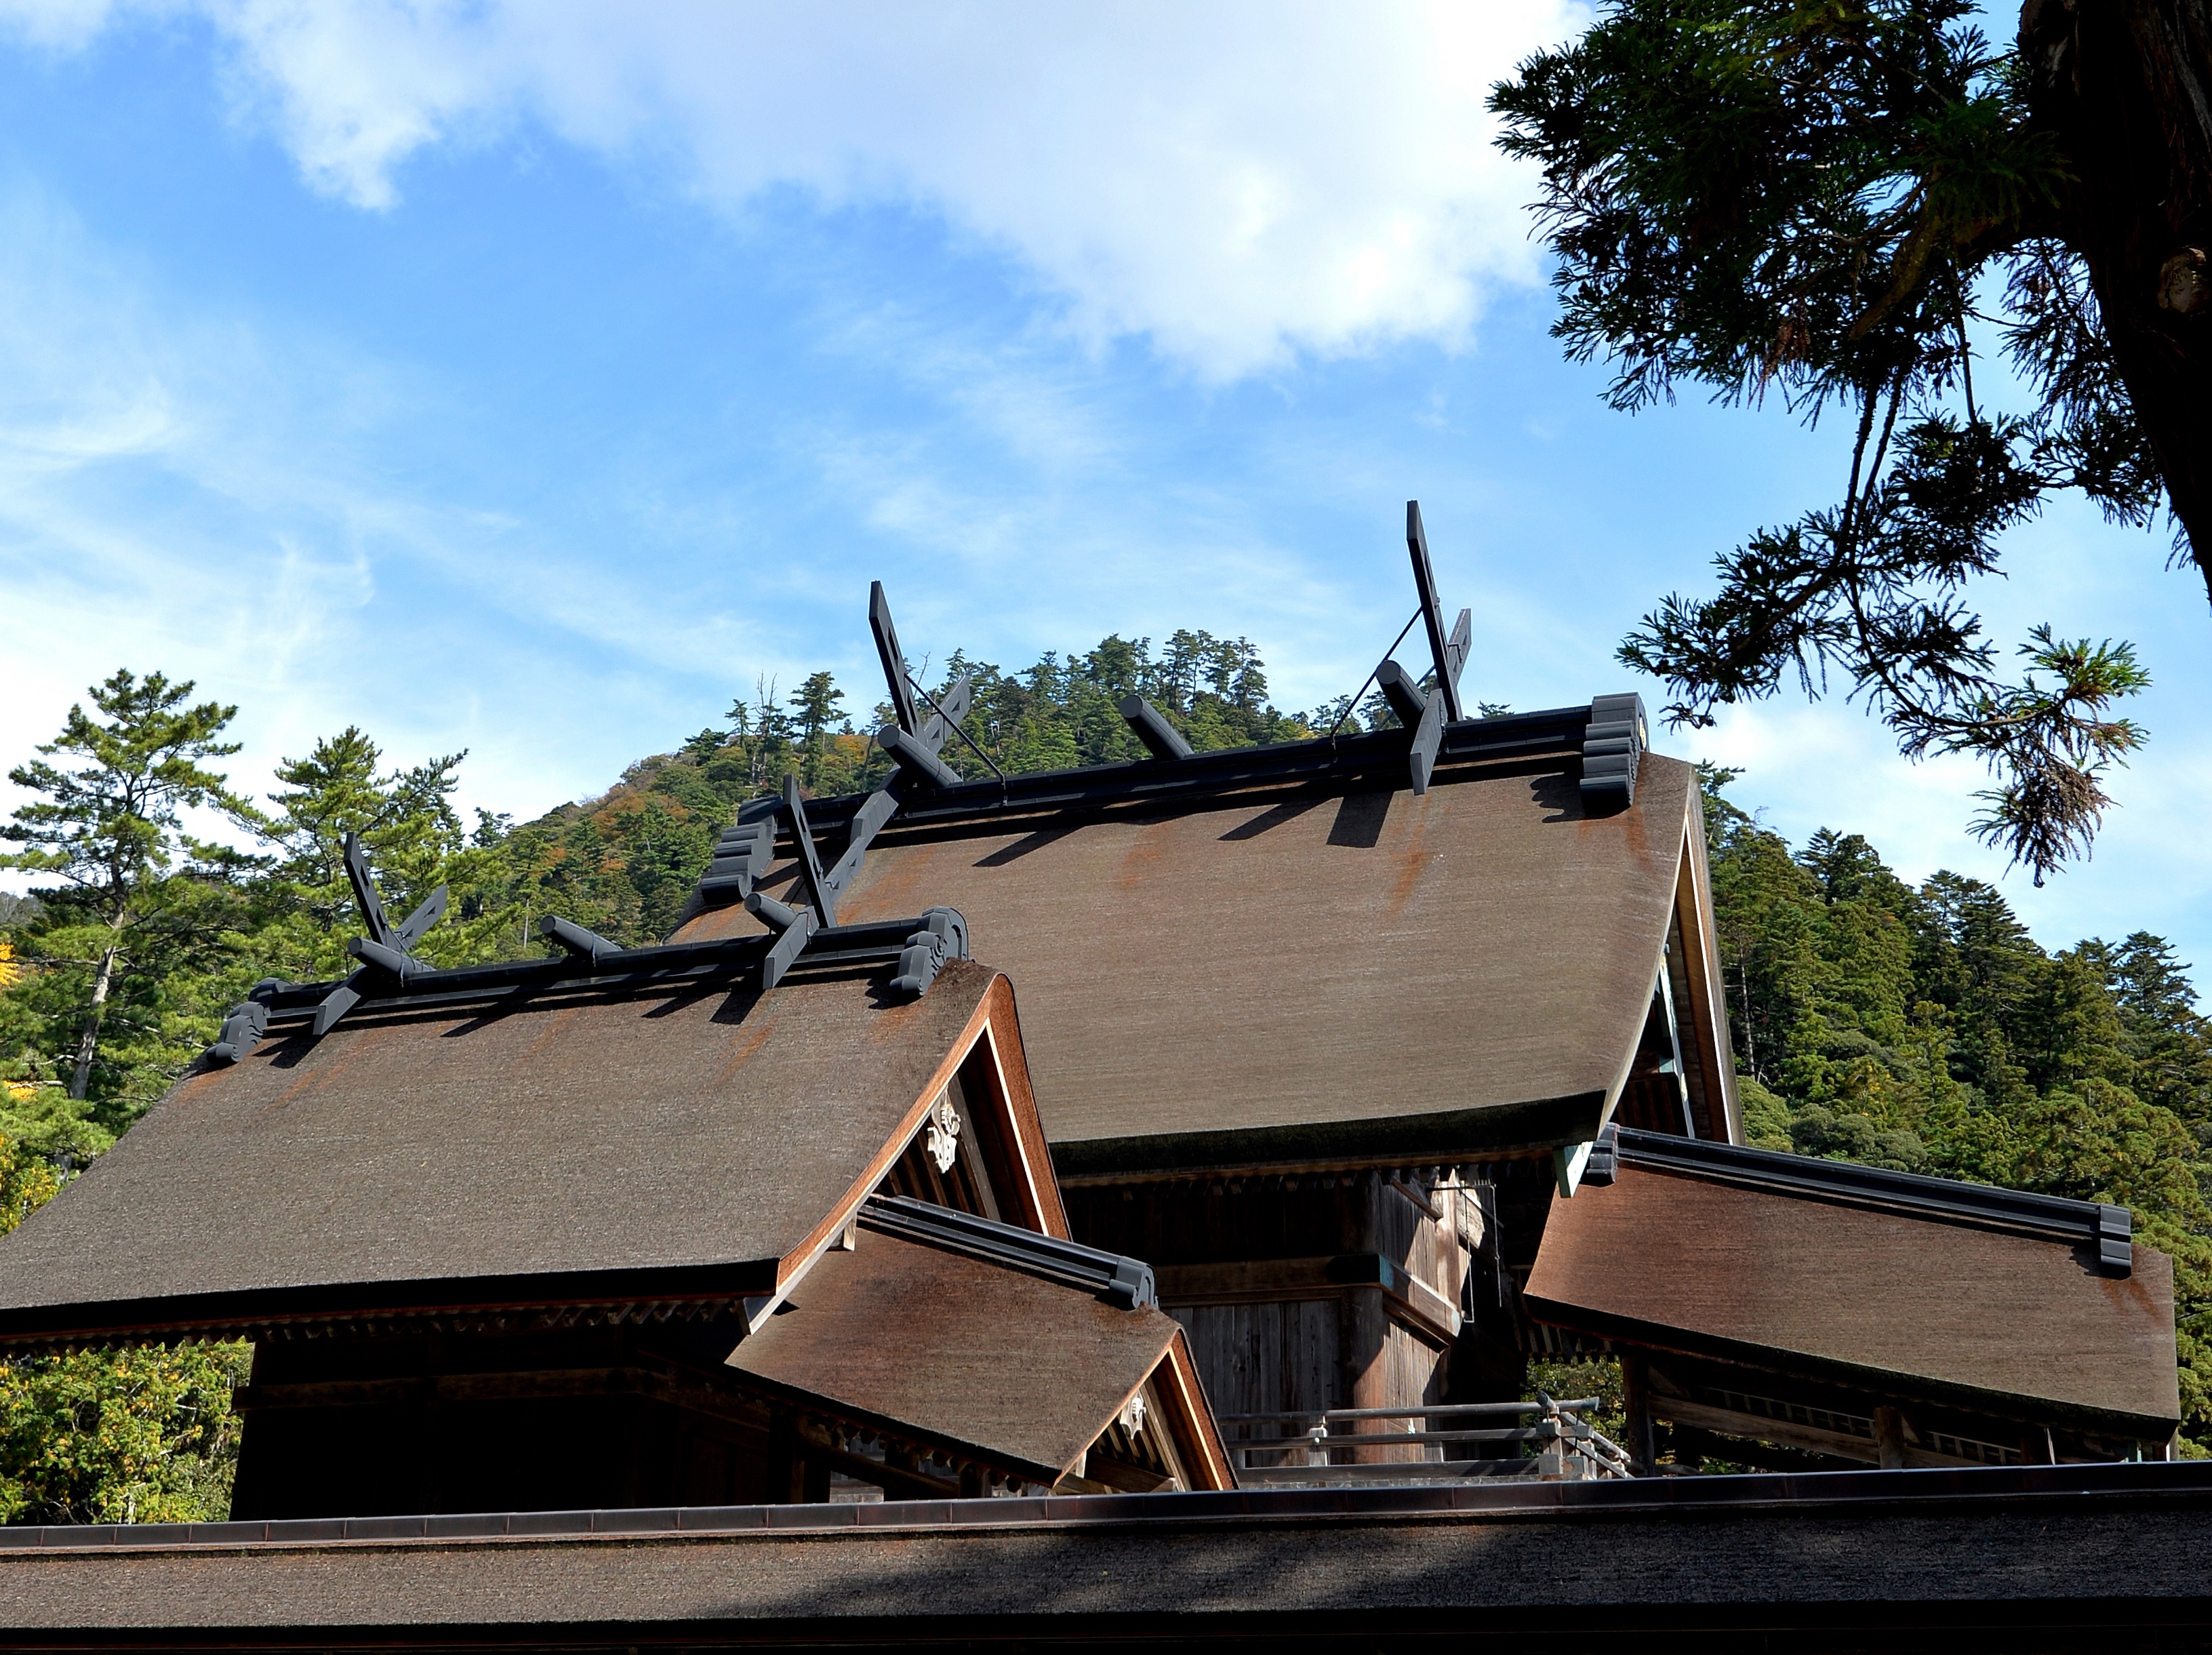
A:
[(1788, 1366)]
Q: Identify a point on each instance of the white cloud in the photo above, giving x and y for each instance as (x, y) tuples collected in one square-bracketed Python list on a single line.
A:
[(1239, 182), (59, 26)]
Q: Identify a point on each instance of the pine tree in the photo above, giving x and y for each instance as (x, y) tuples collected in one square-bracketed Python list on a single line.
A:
[(110, 829), (814, 705), (1840, 208)]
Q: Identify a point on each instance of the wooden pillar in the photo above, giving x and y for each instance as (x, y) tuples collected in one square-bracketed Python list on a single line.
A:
[(1364, 1332), (814, 1483), (794, 1477), (1636, 1395), (1889, 1437), (787, 1471)]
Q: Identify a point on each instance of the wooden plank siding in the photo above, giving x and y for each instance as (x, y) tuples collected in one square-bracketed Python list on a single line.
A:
[(1301, 1294), (1178, 1222), (1282, 1357)]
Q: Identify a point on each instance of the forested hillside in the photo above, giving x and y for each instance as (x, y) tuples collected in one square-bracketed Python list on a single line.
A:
[(1919, 1028)]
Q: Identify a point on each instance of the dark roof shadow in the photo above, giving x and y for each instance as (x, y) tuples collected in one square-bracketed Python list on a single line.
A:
[(1555, 790), (1360, 819), (1022, 847), (1288, 811)]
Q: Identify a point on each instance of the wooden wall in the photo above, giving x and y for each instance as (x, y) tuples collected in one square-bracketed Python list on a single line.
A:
[(1279, 1357), (568, 1421), (1305, 1293)]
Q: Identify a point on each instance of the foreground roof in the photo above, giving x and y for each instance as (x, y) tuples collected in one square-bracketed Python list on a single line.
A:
[(1287, 957), (980, 1348), (2025, 1306), (693, 1144), (2040, 1557)]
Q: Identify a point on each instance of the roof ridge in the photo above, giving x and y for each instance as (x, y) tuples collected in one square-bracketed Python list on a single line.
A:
[(2099, 1225), (940, 933), (1374, 757), (1118, 1280)]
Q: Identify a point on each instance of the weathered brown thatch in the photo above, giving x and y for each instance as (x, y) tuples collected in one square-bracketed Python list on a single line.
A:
[(983, 1359), (1321, 977), (653, 1148), (1895, 1303)]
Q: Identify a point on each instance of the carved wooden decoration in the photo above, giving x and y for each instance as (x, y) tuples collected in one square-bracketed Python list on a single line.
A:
[(944, 1139)]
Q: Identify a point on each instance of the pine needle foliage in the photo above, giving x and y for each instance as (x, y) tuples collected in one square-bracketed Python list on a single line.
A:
[(1841, 207)]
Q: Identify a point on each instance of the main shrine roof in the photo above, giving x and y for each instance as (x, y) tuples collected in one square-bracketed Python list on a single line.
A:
[(1323, 968)]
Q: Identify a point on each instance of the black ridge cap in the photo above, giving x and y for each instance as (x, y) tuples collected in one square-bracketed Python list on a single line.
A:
[(2054, 1218), (1377, 756), (1124, 1282), (2059, 1487), (618, 971)]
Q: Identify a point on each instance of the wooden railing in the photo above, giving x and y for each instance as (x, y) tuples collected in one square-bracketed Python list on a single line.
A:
[(1388, 1445)]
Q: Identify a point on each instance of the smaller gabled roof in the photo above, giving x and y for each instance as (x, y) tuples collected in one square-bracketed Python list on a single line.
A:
[(690, 1145), (2030, 1307), (991, 1341)]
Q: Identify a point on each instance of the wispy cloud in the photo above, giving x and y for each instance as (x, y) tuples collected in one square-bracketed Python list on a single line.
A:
[(196, 494), (1238, 182)]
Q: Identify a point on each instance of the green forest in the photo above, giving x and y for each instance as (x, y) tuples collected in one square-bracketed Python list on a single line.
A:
[(1913, 1027)]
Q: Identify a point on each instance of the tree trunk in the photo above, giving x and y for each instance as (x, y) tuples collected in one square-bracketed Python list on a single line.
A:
[(88, 1041), (2126, 86)]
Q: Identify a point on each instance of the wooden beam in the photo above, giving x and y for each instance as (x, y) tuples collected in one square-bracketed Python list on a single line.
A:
[(1200, 1456), (1889, 1437), (894, 659), (1790, 1434), (1259, 1282), (1693, 908), (999, 1041), (786, 1471), (1402, 689), (1441, 650), (1694, 1443), (819, 898), (1363, 1333), (1113, 1475), (1901, 1451), (896, 1473)]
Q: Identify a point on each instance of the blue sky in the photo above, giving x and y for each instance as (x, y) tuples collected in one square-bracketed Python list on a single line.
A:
[(531, 381)]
